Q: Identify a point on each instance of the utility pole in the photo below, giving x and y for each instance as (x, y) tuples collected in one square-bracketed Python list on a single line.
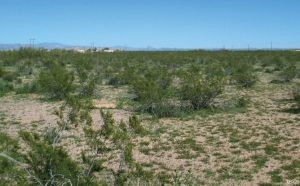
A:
[(31, 42), (271, 45)]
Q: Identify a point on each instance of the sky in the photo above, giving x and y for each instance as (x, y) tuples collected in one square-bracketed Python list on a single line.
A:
[(153, 23)]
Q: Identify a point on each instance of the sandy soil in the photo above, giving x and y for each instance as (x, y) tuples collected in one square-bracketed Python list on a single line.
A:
[(218, 150)]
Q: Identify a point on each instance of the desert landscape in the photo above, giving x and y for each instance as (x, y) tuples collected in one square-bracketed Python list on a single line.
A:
[(149, 118)]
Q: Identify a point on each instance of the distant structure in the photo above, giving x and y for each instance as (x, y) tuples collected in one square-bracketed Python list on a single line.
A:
[(109, 50), (94, 49)]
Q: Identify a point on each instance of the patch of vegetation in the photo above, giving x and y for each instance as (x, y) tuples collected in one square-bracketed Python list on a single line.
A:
[(203, 86), (243, 74), (199, 89), (5, 87), (271, 149), (28, 88), (56, 82), (260, 161), (296, 95)]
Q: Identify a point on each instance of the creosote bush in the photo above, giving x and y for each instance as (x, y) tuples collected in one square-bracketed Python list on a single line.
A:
[(289, 72), (27, 88), (243, 74), (10, 172), (154, 92), (296, 95), (135, 124), (2, 72), (5, 87), (56, 82), (49, 163), (200, 89)]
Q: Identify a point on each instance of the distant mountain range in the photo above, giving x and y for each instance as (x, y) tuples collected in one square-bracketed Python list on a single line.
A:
[(64, 46), (51, 46), (38, 45)]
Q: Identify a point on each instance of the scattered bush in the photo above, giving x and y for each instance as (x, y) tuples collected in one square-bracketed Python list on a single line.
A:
[(242, 101), (243, 74), (28, 88), (200, 89), (56, 82), (9, 76), (10, 173), (51, 164), (278, 62), (88, 88), (2, 72), (125, 76), (296, 94), (135, 124), (154, 93), (5, 87), (289, 72)]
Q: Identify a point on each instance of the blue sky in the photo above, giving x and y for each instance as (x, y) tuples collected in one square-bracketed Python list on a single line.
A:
[(155, 23)]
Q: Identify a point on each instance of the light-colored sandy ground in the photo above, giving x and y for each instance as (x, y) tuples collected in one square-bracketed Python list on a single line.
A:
[(223, 147)]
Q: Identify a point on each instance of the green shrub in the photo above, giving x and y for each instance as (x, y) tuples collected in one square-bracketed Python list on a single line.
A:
[(242, 101), (296, 94), (243, 74), (10, 172), (154, 93), (125, 76), (289, 72), (135, 124), (9, 76), (200, 89), (28, 88), (278, 62), (214, 69), (51, 163), (56, 82), (88, 88), (108, 124), (5, 87), (2, 72)]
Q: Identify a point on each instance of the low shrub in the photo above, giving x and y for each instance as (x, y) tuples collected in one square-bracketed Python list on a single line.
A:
[(296, 94), (135, 124), (9, 76), (5, 87), (243, 74), (242, 101), (278, 62), (200, 89), (289, 72), (10, 172), (51, 164), (28, 88), (56, 82), (154, 93), (2, 72), (125, 76), (88, 88)]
